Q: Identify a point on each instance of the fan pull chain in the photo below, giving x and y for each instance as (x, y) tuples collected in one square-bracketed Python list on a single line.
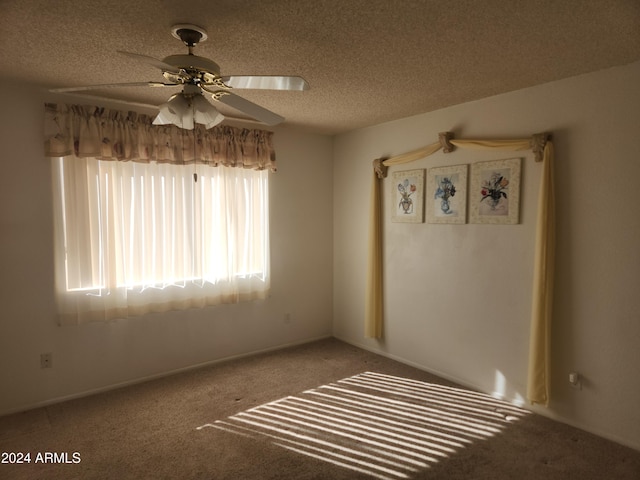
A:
[(195, 133)]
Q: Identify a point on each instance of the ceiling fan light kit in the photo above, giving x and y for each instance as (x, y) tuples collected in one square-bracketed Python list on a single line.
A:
[(205, 113), (198, 75), (188, 108)]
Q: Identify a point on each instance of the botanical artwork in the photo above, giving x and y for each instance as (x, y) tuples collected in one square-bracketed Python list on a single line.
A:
[(495, 192), (408, 196), (447, 194)]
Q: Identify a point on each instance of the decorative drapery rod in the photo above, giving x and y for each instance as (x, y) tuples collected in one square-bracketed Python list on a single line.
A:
[(537, 143), (447, 143), (380, 168)]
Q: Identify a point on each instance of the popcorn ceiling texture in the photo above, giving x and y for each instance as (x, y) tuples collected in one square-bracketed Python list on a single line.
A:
[(368, 61)]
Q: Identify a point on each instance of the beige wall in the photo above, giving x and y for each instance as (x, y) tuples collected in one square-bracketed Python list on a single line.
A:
[(100, 356), (458, 296)]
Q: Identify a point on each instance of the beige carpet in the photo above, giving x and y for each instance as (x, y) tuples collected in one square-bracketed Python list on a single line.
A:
[(325, 410)]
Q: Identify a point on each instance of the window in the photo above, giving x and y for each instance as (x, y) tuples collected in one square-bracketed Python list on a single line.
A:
[(133, 238)]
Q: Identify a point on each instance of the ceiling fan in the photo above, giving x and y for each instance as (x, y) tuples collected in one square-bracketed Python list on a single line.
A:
[(198, 76)]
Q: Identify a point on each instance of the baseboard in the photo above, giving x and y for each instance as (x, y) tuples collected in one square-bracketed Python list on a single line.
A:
[(545, 412), (432, 371), (115, 386)]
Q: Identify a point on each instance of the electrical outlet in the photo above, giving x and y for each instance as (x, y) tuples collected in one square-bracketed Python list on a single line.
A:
[(46, 360), (575, 380)]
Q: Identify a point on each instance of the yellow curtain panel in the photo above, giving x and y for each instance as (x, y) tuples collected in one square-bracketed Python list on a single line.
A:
[(541, 311)]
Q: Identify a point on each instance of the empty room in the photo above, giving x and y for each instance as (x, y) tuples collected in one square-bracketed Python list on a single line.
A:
[(354, 239)]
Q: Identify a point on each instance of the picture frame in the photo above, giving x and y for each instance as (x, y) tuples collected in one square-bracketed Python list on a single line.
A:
[(446, 200), (407, 193), (495, 192)]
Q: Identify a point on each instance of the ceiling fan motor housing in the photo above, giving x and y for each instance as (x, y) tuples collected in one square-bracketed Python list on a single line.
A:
[(193, 62)]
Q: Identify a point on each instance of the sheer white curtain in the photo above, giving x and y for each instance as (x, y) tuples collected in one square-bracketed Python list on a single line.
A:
[(133, 238), (154, 218)]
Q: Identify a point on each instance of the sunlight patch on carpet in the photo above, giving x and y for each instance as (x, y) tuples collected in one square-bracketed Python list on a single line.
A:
[(384, 426)]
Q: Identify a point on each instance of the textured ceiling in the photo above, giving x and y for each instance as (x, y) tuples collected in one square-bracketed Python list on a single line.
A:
[(367, 61)]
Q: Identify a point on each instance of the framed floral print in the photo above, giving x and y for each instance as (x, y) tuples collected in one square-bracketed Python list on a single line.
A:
[(407, 196), (495, 192), (446, 200)]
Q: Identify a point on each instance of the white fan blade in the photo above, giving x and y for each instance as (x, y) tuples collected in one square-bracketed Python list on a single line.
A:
[(266, 82), (112, 85), (165, 67), (247, 107)]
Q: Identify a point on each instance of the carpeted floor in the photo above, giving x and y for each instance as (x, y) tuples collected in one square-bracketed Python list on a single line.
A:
[(325, 410)]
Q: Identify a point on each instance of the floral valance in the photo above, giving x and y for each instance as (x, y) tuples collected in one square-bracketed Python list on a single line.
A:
[(89, 131)]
